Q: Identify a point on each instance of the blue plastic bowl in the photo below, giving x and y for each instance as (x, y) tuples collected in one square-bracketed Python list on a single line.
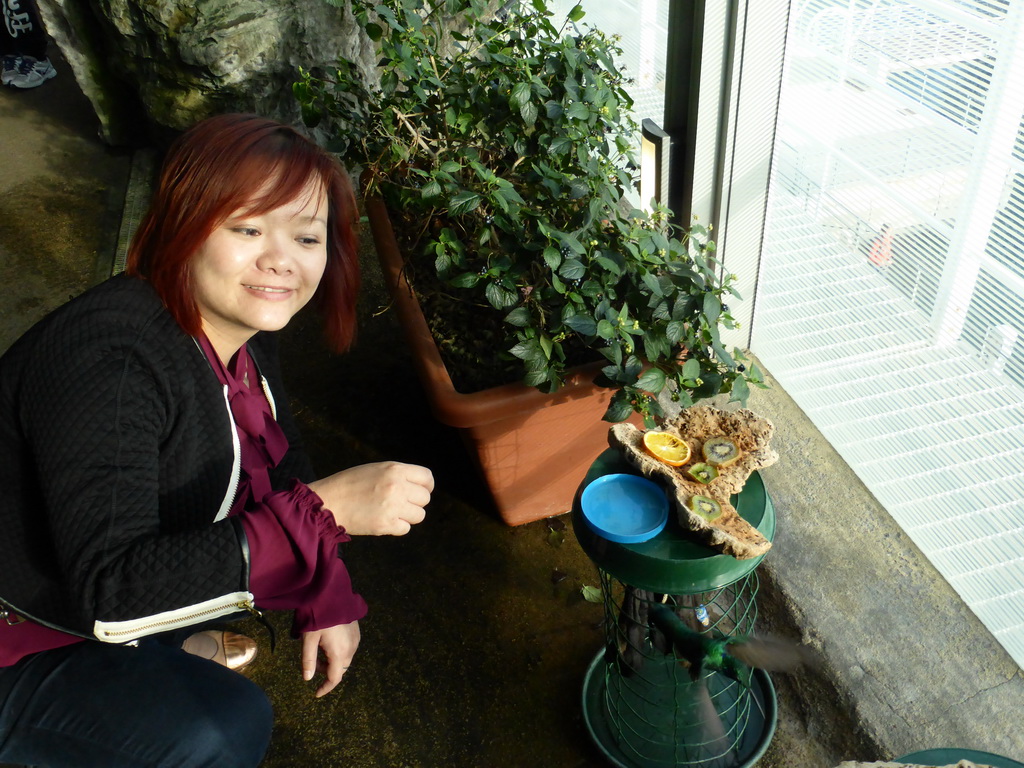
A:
[(625, 508)]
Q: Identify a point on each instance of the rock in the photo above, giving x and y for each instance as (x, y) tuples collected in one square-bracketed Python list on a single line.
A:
[(729, 533), (174, 62)]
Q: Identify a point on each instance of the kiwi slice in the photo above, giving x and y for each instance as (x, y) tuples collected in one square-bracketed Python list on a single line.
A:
[(705, 506), (720, 451), (702, 473)]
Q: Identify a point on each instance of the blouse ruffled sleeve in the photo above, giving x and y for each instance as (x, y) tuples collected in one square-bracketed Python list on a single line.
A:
[(293, 545)]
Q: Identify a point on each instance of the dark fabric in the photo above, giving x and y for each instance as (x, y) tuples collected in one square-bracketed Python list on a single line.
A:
[(95, 705), (22, 33), (115, 456)]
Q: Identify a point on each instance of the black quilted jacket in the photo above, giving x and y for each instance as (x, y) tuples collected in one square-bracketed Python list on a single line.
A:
[(116, 457)]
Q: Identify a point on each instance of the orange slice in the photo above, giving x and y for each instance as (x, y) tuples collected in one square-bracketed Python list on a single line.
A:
[(667, 447)]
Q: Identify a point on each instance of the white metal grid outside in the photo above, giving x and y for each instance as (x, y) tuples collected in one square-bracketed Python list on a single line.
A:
[(933, 424)]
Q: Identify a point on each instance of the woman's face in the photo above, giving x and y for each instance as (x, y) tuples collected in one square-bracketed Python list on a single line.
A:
[(254, 272)]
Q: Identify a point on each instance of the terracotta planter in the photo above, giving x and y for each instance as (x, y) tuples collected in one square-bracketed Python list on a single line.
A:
[(532, 448)]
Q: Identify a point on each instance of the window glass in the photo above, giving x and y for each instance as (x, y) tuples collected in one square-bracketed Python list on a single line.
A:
[(890, 300)]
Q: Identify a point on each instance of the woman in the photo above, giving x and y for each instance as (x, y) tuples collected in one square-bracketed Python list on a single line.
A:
[(153, 477)]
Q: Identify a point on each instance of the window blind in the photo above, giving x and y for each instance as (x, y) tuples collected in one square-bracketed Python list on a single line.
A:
[(890, 299)]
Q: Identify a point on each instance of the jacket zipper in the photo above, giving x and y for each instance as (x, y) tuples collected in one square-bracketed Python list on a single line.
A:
[(175, 622)]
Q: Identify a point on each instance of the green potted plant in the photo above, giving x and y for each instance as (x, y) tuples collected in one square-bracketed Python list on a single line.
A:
[(496, 155)]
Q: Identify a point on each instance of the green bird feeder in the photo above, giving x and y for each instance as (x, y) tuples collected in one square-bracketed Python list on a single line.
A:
[(644, 703)]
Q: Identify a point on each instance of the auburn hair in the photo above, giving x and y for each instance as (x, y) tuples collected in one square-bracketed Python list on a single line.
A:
[(237, 162)]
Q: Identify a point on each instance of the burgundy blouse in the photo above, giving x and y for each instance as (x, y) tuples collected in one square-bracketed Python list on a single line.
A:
[(293, 540)]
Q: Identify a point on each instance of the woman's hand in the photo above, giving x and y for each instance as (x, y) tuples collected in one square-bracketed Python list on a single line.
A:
[(385, 498), (339, 645)]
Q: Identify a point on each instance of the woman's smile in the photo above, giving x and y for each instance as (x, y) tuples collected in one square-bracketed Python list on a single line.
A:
[(271, 291)]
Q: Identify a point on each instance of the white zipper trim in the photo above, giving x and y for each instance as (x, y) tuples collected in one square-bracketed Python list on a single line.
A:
[(269, 395), (133, 629), (236, 464)]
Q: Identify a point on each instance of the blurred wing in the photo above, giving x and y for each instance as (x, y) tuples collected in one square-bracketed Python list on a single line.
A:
[(770, 654)]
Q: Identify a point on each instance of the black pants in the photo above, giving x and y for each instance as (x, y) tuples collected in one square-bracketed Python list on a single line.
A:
[(22, 33), (94, 705)]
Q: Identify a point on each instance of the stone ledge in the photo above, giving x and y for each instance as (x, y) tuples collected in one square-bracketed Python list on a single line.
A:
[(906, 666)]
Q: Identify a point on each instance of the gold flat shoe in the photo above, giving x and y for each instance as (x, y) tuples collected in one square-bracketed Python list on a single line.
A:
[(229, 649)]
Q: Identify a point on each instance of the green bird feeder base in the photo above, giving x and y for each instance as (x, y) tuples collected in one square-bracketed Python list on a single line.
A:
[(948, 756), (674, 734), (641, 706)]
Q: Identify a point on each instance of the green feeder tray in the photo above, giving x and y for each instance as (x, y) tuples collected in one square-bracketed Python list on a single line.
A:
[(672, 562), (954, 756), (668, 734)]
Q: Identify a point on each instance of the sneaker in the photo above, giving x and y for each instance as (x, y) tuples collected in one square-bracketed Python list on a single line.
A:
[(10, 67), (33, 73)]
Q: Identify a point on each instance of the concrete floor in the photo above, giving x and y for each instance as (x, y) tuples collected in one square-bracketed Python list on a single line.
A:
[(478, 639)]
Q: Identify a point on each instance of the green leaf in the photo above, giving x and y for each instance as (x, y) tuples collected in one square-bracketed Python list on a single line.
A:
[(690, 369), (529, 112), (431, 189), (520, 316), (652, 283), (535, 378), (450, 166), (712, 384), (578, 188), (520, 95), (591, 594), (712, 307), (311, 116), (611, 261), (465, 280), (578, 111), (500, 297), (659, 311), (577, 12), (501, 202), (527, 350), (464, 202), (656, 348), (605, 329), (572, 269), (552, 257), (652, 380), (740, 391), (374, 31), (583, 324), (660, 243), (570, 242), (545, 346), (561, 145), (619, 408)]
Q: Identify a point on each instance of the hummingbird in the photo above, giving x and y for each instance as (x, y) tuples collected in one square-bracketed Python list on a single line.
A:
[(703, 654), (731, 656)]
